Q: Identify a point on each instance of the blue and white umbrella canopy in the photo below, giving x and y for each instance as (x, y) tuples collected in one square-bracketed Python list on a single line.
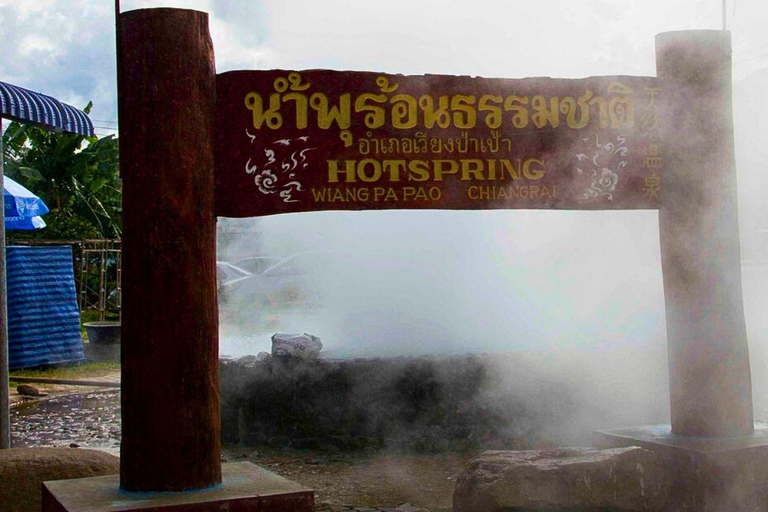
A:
[(22, 208), (25, 224)]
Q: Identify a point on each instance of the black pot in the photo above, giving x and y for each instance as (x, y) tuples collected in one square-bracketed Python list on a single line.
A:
[(103, 333)]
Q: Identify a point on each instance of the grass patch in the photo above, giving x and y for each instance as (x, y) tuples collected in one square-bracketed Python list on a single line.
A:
[(71, 371)]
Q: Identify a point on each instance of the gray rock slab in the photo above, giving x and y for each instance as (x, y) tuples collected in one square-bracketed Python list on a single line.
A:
[(585, 479)]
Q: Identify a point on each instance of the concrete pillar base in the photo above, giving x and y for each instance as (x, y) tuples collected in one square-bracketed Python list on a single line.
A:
[(244, 487), (709, 473)]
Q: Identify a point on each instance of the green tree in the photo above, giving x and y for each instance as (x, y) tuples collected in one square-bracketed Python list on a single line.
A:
[(76, 176)]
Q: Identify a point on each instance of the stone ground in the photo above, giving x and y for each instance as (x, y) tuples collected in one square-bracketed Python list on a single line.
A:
[(359, 482), (89, 417)]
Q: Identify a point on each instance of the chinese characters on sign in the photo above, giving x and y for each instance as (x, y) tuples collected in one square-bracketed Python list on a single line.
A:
[(325, 140)]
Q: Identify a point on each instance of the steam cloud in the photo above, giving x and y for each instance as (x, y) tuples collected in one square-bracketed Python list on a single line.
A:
[(577, 296)]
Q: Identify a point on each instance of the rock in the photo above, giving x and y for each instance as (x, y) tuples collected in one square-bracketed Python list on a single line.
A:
[(263, 356), (585, 479), (24, 470), (302, 346), (27, 390), (407, 507), (247, 359)]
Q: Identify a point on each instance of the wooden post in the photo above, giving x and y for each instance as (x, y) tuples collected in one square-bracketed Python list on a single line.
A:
[(170, 392), (710, 385)]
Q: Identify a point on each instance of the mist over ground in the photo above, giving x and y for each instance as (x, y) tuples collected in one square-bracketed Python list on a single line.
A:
[(448, 282), (575, 299)]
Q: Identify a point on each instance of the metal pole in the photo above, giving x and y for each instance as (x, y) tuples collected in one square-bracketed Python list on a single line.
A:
[(5, 401), (724, 23), (102, 281)]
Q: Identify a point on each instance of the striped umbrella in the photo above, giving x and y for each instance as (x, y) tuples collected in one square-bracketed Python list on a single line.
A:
[(27, 106)]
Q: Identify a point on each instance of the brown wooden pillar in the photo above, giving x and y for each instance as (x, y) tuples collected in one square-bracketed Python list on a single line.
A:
[(170, 392), (710, 385)]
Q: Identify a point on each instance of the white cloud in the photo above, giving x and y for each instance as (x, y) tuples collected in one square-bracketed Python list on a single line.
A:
[(38, 46), (197, 5), (28, 9), (233, 50)]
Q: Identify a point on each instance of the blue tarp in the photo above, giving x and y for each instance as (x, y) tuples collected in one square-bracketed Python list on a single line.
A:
[(43, 316)]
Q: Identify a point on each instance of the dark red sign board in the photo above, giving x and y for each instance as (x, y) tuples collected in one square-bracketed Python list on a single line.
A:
[(290, 141)]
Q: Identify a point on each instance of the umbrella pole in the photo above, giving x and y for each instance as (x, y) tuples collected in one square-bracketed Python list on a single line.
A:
[(5, 414)]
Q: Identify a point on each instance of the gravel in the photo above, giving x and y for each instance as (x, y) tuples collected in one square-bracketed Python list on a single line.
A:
[(89, 420)]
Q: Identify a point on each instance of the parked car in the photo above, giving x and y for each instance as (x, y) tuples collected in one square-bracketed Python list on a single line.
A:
[(256, 264), (289, 284), (226, 272)]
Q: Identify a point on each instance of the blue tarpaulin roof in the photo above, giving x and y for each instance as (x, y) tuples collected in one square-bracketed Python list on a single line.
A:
[(21, 104), (43, 316)]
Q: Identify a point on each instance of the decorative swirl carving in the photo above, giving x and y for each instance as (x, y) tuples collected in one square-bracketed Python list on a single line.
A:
[(277, 170)]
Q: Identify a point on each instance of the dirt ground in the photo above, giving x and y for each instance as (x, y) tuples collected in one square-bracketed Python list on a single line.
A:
[(341, 481), (378, 480)]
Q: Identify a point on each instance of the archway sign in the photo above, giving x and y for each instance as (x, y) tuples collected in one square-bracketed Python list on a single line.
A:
[(290, 141)]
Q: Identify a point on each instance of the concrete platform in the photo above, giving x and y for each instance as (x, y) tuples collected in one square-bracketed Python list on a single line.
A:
[(244, 487), (656, 437), (710, 474)]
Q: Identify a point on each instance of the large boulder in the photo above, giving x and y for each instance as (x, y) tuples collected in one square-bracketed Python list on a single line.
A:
[(23, 471), (567, 479)]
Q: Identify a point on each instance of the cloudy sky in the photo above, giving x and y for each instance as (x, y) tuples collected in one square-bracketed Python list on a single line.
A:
[(66, 49)]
